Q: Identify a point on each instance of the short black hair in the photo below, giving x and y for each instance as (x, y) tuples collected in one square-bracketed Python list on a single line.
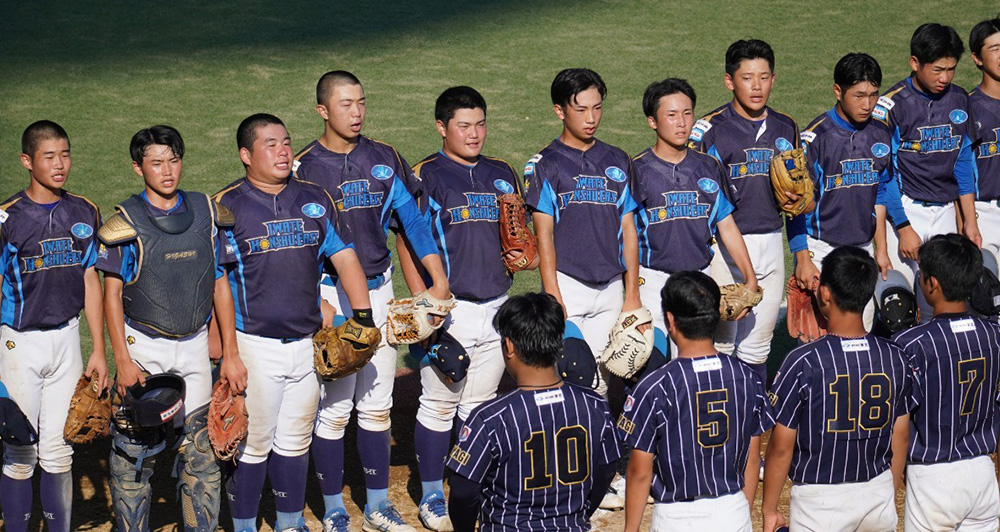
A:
[(933, 41), (572, 81), (455, 98), (37, 132), (745, 50), (956, 263), (534, 323), (850, 273), (980, 32), (333, 78), (857, 68), (161, 134), (246, 134), (693, 298), (658, 89)]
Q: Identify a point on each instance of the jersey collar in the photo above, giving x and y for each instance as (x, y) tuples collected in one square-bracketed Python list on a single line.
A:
[(836, 119), (933, 97)]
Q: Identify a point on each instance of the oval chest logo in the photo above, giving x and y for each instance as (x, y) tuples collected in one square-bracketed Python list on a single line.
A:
[(708, 185), (82, 230), (615, 174), (313, 210), (782, 144), (880, 149), (381, 171), (958, 116), (503, 186)]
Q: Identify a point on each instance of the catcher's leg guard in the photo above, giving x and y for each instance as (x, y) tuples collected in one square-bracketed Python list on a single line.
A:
[(132, 462), (199, 481)]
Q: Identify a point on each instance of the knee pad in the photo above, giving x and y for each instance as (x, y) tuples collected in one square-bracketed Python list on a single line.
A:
[(376, 421), (331, 428), (199, 484)]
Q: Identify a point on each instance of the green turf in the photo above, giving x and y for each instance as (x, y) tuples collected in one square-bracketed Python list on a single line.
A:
[(104, 69)]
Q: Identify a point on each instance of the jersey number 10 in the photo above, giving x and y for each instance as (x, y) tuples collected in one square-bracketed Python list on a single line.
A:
[(572, 458)]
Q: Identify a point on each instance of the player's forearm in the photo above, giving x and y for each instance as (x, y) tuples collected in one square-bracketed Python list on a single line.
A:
[(777, 462), (93, 308), (225, 317), (967, 208), (880, 231), (435, 268), (114, 316), (546, 253), (900, 446), (464, 503), (630, 251), (751, 475), (413, 270), (732, 238), (352, 278), (637, 482)]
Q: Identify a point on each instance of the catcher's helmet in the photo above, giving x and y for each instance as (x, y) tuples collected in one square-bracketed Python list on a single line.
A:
[(896, 303), (15, 429), (577, 364), (986, 295), (157, 402)]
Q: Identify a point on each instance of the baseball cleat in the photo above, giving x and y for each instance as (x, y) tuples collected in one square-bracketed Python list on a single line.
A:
[(612, 501), (434, 513), (337, 520), (386, 519), (301, 527)]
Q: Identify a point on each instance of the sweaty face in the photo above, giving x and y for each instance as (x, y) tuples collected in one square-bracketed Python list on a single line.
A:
[(464, 135), (50, 163), (751, 85), (582, 115), (857, 101), (160, 169), (988, 58), (673, 120), (934, 78), (344, 111), (270, 161)]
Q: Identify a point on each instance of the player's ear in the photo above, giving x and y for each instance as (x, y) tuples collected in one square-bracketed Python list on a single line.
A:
[(651, 120), (442, 128), (245, 156), (728, 80), (977, 60), (838, 93), (323, 111), (26, 161), (137, 169), (560, 112), (825, 298), (914, 63)]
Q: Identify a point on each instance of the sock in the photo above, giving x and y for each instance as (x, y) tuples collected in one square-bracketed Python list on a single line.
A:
[(432, 447), (242, 525), (373, 448), (760, 369), (16, 496), (244, 489), (57, 499), (328, 459), (288, 482)]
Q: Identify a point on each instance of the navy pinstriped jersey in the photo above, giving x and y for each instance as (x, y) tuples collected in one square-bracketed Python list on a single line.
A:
[(461, 203), (44, 252), (745, 147), (852, 172), (534, 454), (956, 361), (679, 207), (842, 396), (367, 186), (587, 194), (985, 111), (931, 146), (697, 415)]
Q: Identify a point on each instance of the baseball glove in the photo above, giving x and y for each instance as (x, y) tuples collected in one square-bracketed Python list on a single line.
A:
[(89, 412), (735, 298), (628, 349), (409, 322), (227, 421), (343, 350), (514, 233), (805, 321), (789, 173)]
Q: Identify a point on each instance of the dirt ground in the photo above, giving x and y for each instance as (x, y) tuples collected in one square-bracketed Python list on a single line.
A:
[(91, 506)]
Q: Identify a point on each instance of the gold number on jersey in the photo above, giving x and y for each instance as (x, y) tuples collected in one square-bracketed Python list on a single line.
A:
[(572, 459), (971, 373), (872, 409), (713, 421)]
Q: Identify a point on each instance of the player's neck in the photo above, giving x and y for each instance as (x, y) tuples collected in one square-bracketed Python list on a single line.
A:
[(531, 378), (164, 203), (266, 186), (749, 114), (695, 348), (845, 324), (337, 144), (458, 158), (669, 153), (950, 307), (574, 142), (42, 194), (990, 86)]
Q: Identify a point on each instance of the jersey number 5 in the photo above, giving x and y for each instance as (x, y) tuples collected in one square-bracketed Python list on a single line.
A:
[(572, 458), (871, 409), (713, 421)]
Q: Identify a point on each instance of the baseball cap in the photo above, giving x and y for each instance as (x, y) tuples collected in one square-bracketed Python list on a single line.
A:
[(896, 302), (449, 357), (15, 429), (986, 295), (577, 364)]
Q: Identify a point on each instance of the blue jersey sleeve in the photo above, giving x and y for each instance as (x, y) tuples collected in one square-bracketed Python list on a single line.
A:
[(118, 260), (473, 455), (795, 228), (539, 193), (415, 226), (626, 203), (888, 196), (965, 168)]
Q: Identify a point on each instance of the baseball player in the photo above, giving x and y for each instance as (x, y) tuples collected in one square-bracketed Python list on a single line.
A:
[(848, 158), (366, 180), (460, 188), (48, 276), (928, 118), (681, 194), (842, 408), (984, 106), (161, 254), (694, 424), (285, 230), (743, 135), (578, 190), (542, 456), (950, 480)]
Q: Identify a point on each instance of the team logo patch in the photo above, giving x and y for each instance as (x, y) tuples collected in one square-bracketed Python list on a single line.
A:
[(708, 185), (529, 169), (10, 345), (642, 281), (782, 144), (381, 171), (773, 398), (130, 339), (3, 216), (699, 130), (313, 210), (629, 403), (958, 116), (464, 434), (615, 174), (625, 424), (880, 149), (807, 136), (102, 252), (503, 186)]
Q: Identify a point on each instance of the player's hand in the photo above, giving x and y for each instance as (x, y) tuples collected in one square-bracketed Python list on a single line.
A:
[(884, 264), (774, 521), (971, 230), (233, 372), (440, 292), (512, 256), (98, 365), (807, 275), (127, 375), (909, 243), (794, 198), (632, 304), (328, 311), (753, 286)]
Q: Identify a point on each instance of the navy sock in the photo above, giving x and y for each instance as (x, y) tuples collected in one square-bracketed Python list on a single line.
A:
[(328, 458), (57, 499), (16, 503), (288, 481), (373, 448), (432, 447), (244, 489)]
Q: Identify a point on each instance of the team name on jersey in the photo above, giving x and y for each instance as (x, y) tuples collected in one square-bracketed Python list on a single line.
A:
[(479, 207), (986, 149), (56, 253), (758, 162), (357, 196), (590, 189), (682, 204), (283, 234), (853, 173), (933, 139)]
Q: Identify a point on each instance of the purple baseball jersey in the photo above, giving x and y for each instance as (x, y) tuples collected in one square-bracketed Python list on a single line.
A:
[(956, 362), (745, 148), (697, 415), (985, 131), (587, 194), (278, 247), (44, 252), (842, 396), (852, 172), (931, 143), (533, 453), (461, 204), (679, 207), (368, 187)]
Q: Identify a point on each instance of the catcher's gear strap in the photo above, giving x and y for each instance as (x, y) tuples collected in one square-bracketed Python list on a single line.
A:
[(117, 230)]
